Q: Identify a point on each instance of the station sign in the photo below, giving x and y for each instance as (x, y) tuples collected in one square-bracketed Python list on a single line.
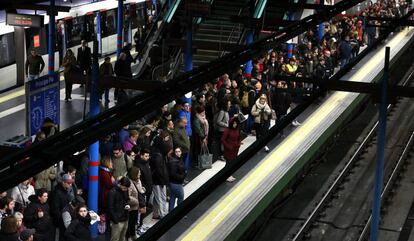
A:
[(24, 20), (42, 100)]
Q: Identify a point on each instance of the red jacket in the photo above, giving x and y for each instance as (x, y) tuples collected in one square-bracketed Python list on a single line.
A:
[(231, 142), (105, 184)]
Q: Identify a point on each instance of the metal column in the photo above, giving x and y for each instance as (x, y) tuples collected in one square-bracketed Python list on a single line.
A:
[(321, 26), (98, 32), (51, 42), (379, 171), (120, 27), (290, 44), (93, 170)]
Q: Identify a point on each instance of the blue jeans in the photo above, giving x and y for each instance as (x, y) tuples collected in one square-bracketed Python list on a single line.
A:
[(32, 76), (176, 192)]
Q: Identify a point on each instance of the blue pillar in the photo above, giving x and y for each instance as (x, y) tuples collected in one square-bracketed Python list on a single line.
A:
[(154, 4), (321, 26), (94, 147), (120, 27), (321, 31), (379, 171), (249, 65), (290, 44), (98, 32), (51, 42)]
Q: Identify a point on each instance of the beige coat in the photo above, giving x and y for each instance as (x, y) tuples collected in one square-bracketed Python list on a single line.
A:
[(133, 194), (44, 179), (258, 108)]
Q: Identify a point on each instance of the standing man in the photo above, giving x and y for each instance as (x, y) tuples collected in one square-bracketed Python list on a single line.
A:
[(34, 65), (118, 209), (37, 216), (84, 58)]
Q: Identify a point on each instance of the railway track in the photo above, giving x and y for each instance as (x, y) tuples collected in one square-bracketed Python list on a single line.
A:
[(343, 211)]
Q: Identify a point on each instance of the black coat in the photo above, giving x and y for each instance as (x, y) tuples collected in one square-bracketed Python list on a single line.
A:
[(281, 102), (84, 58), (123, 68), (159, 169), (9, 236), (78, 231), (146, 174), (32, 220), (117, 199), (176, 170), (60, 198)]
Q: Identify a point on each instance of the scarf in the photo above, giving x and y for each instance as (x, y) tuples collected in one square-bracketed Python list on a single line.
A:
[(260, 106), (204, 122)]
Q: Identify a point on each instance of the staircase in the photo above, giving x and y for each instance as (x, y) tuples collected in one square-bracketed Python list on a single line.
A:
[(218, 29)]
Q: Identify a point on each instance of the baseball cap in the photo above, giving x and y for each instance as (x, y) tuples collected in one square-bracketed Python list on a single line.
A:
[(67, 178), (25, 234)]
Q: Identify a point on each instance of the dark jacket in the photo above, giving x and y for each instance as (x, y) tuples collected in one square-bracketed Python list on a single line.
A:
[(345, 49), (32, 220), (281, 102), (60, 198), (78, 229), (146, 174), (123, 68), (117, 199), (34, 64), (176, 170), (181, 139), (84, 58), (158, 162), (9, 236)]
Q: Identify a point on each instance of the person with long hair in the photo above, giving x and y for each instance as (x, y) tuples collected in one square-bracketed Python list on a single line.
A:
[(261, 112), (106, 181), (136, 194), (79, 227), (231, 141)]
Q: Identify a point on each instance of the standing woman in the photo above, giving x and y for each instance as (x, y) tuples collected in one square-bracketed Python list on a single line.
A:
[(200, 129), (221, 122), (106, 181), (78, 229), (68, 61), (136, 194), (261, 112), (231, 142), (177, 175)]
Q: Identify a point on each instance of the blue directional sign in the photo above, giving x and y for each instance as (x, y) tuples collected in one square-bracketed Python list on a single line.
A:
[(42, 100)]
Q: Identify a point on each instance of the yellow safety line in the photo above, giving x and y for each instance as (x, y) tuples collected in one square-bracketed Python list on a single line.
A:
[(217, 214)]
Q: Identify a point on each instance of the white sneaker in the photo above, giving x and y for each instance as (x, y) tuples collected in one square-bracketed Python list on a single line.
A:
[(266, 149), (296, 123), (231, 179)]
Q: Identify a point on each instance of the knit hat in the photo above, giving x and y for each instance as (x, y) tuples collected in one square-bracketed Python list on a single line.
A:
[(25, 234), (67, 178)]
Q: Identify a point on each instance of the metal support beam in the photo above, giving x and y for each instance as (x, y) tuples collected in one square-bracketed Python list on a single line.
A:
[(46, 8), (379, 169), (287, 5), (51, 40)]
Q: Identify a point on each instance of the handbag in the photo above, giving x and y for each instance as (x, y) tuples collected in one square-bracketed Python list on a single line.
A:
[(241, 118), (205, 158), (273, 115)]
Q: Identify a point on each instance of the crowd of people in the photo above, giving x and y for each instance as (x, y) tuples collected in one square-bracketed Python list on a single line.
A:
[(144, 165)]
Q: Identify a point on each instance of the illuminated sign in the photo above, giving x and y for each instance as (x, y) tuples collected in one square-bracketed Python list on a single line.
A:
[(24, 20), (36, 41)]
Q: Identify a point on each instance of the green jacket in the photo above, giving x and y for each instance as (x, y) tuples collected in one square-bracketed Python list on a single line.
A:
[(181, 139)]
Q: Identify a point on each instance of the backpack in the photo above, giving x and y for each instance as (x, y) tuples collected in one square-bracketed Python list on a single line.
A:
[(245, 99)]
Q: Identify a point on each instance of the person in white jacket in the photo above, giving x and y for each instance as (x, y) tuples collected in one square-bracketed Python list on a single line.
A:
[(21, 194)]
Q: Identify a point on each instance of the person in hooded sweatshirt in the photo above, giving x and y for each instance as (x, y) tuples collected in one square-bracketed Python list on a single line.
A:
[(8, 231), (161, 149), (78, 229), (37, 216)]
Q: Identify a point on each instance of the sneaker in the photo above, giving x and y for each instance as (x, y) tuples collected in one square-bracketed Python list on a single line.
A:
[(296, 123), (231, 179), (267, 149)]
